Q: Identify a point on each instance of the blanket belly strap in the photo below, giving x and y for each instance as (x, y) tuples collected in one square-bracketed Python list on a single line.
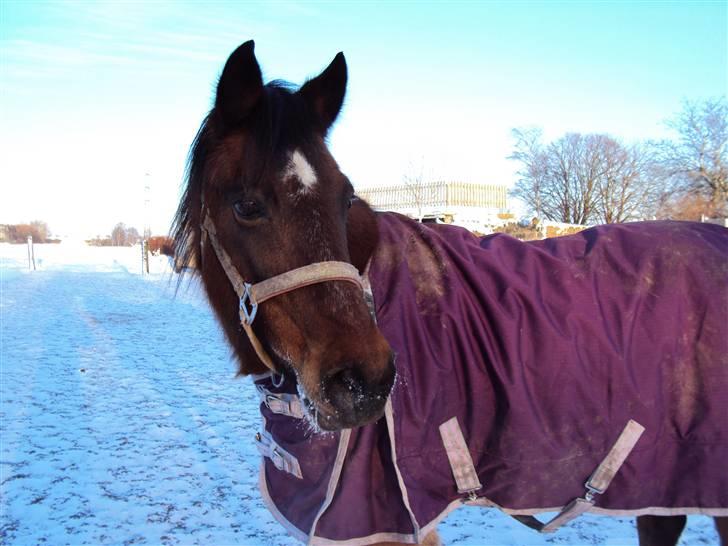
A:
[(595, 485), (461, 463), (610, 465)]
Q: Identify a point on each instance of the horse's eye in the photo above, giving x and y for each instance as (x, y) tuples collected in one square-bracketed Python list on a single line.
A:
[(349, 202), (248, 210)]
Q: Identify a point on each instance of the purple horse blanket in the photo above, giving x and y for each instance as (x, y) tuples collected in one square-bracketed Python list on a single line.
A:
[(538, 354)]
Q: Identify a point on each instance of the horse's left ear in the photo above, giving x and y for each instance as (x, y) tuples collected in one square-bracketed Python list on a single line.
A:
[(240, 86), (325, 93)]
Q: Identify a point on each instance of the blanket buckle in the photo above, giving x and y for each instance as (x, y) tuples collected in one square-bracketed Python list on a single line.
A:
[(591, 491)]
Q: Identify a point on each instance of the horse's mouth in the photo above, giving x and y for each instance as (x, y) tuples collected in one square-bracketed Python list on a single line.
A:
[(325, 417)]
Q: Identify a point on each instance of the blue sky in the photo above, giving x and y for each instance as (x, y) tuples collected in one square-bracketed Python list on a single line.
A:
[(99, 98)]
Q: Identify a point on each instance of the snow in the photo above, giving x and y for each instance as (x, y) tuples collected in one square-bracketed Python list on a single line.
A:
[(123, 422)]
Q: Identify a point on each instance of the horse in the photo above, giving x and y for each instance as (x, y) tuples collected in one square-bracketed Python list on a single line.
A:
[(406, 369)]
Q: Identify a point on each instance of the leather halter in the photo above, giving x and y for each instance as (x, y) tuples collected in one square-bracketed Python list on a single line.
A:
[(252, 295)]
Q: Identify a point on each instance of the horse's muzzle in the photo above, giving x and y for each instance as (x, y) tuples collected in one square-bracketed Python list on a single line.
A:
[(355, 397)]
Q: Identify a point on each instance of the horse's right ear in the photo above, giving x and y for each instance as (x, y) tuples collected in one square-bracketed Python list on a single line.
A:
[(240, 86), (325, 93)]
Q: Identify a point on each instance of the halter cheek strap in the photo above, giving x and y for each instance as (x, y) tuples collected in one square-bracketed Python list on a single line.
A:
[(252, 295)]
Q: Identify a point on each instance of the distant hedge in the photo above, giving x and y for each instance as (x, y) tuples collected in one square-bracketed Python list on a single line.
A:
[(18, 233)]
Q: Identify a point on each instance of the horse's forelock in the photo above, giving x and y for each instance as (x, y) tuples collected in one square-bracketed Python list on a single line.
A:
[(222, 154)]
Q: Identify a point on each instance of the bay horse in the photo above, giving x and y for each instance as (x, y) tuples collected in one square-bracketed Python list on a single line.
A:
[(407, 369)]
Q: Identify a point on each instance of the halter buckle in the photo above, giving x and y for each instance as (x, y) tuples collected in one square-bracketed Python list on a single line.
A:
[(248, 308)]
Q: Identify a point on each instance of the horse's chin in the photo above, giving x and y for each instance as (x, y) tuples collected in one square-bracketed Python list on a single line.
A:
[(337, 422)]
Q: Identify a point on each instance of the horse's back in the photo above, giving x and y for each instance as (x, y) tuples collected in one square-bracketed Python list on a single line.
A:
[(554, 346)]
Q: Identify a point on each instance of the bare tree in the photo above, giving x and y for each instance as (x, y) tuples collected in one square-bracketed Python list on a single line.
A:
[(573, 167), (18, 233), (41, 233), (118, 235), (417, 186), (532, 176), (697, 163), (558, 180), (132, 236), (122, 235), (580, 179), (629, 188), (684, 207)]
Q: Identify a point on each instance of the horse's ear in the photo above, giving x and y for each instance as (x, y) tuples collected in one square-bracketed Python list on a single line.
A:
[(240, 86), (325, 93)]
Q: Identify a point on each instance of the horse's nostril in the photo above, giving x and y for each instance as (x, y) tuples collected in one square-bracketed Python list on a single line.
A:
[(343, 384), (351, 392), (350, 380)]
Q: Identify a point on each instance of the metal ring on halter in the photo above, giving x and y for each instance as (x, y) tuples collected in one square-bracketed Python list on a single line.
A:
[(245, 300)]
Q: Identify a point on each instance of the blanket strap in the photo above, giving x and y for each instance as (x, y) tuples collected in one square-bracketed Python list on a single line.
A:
[(461, 463), (595, 485), (281, 403), (280, 458)]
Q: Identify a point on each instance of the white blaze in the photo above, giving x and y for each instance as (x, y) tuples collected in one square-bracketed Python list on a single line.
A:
[(299, 167)]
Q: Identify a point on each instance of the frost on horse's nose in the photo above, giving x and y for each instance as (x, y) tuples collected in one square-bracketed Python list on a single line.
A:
[(357, 398)]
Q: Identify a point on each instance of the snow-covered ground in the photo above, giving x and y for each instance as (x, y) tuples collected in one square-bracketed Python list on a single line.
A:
[(123, 423)]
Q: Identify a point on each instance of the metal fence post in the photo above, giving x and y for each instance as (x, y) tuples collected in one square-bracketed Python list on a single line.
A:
[(145, 256), (31, 253)]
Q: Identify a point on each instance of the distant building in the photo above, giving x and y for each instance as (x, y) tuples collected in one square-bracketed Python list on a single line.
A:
[(550, 228), (718, 221), (477, 207), (4, 233)]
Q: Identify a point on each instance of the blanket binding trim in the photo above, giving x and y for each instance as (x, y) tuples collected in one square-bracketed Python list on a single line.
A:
[(333, 481), (389, 415)]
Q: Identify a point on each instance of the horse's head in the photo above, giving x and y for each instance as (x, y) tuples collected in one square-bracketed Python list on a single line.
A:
[(261, 171)]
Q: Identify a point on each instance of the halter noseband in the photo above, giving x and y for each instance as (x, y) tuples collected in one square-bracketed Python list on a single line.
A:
[(252, 295)]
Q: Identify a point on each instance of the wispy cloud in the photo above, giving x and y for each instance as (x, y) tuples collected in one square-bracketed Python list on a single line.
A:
[(143, 36)]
